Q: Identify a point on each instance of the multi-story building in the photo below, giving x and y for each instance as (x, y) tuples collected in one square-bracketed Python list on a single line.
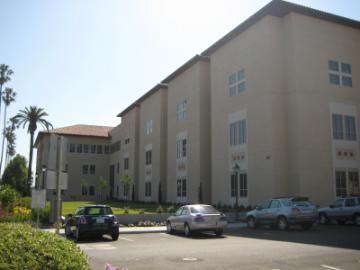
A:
[(270, 109)]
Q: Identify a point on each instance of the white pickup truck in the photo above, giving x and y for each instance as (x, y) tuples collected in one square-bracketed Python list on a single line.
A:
[(342, 210)]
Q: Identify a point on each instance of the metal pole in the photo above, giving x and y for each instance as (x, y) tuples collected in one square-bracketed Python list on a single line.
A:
[(58, 190)]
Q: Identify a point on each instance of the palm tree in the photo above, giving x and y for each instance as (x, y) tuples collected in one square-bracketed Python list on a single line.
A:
[(5, 73), (32, 117), (8, 96), (10, 139)]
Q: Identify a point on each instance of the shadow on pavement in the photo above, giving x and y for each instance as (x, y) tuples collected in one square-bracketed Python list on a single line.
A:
[(199, 235), (346, 236)]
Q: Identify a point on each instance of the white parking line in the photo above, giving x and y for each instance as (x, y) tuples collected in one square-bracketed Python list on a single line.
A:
[(96, 246), (329, 267), (126, 239)]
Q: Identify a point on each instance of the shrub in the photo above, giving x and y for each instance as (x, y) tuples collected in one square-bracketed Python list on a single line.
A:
[(44, 214), (126, 209), (159, 210), (170, 209), (8, 197), (23, 247), (141, 211)]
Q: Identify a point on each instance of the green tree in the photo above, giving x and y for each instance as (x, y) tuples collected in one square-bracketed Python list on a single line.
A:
[(32, 117), (126, 181), (8, 96), (8, 197), (103, 185), (15, 175), (84, 186)]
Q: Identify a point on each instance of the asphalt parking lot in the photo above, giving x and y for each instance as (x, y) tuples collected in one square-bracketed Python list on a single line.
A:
[(325, 247)]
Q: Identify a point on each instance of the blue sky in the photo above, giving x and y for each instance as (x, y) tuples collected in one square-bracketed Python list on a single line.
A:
[(84, 61)]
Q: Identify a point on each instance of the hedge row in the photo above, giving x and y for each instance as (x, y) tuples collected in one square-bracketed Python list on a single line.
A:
[(24, 247)]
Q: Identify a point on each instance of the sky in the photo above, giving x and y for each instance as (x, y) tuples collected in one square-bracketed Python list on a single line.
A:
[(84, 61)]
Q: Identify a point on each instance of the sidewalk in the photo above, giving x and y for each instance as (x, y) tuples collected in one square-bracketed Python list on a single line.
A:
[(156, 229)]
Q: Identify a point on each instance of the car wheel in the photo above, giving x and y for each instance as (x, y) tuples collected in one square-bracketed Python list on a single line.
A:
[(219, 232), (323, 219), (307, 226), (77, 235), (115, 236), (67, 230), (282, 224), (187, 230), (357, 219), (251, 223), (169, 229)]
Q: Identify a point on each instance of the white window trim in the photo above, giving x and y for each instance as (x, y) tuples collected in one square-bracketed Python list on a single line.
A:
[(340, 73)]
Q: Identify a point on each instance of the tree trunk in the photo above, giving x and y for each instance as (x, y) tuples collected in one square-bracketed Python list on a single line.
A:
[(30, 161), (3, 139)]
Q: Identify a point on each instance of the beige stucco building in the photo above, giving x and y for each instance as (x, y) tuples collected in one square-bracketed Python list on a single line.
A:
[(271, 109)]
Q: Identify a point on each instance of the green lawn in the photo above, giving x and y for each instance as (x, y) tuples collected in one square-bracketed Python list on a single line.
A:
[(69, 207)]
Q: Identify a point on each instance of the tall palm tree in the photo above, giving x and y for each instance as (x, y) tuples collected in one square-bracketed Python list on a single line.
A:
[(8, 96), (10, 139), (32, 117), (5, 73)]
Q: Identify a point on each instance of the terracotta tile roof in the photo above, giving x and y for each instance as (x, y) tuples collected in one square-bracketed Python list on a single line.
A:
[(83, 130)]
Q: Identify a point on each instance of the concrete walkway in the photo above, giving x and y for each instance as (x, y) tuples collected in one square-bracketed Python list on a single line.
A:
[(156, 229)]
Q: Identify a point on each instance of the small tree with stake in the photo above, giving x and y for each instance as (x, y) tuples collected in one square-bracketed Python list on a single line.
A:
[(103, 185), (126, 181)]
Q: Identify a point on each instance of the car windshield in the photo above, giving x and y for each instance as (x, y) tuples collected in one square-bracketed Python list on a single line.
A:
[(203, 209), (296, 202), (96, 211)]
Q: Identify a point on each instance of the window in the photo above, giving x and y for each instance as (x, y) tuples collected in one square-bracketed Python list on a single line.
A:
[(274, 204), (148, 189), (340, 74), (86, 148), (340, 183), (84, 190), (117, 191), (181, 148), (354, 183), (126, 163), (350, 133), (93, 148), (106, 149), (115, 147), (238, 132), (125, 192), (99, 149), (118, 167), (350, 202), (148, 157), (234, 187), (149, 127), (181, 188), (127, 141), (79, 148), (181, 110), (92, 169), (85, 169), (91, 190), (243, 185), (344, 127), (237, 83), (72, 148)]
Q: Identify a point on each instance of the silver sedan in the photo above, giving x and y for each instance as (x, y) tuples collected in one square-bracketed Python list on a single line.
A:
[(196, 217)]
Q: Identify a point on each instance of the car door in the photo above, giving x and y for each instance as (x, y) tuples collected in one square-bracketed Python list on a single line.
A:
[(262, 212), (175, 220), (184, 216), (337, 209), (273, 212), (349, 208)]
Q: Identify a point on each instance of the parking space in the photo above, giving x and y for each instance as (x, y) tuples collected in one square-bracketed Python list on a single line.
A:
[(325, 247)]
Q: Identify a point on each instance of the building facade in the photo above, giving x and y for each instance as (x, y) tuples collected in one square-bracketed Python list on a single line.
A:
[(271, 109)]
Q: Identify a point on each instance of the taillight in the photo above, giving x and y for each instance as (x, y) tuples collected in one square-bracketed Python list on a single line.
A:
[(295, 211), (82, 220), (199, 219)]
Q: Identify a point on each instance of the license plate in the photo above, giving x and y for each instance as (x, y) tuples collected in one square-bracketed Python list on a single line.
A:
[(100, 220)]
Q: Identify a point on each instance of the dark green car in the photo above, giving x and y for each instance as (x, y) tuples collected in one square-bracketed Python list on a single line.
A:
[(92, 220)]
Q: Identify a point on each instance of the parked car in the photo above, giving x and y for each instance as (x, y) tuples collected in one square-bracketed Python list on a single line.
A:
[(283, 212), (92, 220), (197, 217), (342, 210)]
